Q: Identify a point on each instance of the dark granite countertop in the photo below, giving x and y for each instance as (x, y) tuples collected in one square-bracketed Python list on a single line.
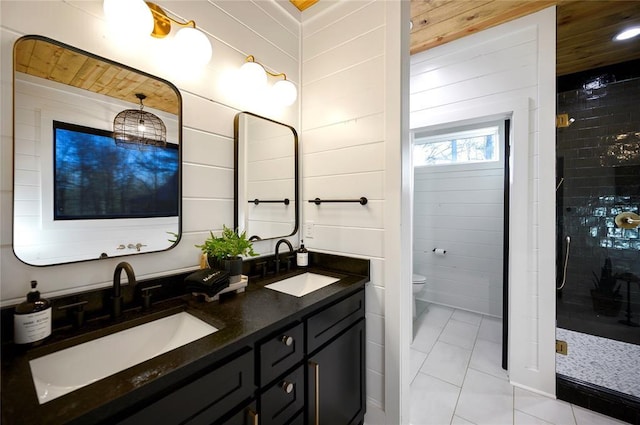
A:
[(242, 320)]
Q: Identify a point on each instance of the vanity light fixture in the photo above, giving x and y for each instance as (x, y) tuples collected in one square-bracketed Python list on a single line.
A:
[(254, 75), (189, 40), (138, 128), (150, 19)]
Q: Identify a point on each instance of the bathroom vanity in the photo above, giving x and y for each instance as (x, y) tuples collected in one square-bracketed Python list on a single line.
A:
[(274, 359), (267, 356)]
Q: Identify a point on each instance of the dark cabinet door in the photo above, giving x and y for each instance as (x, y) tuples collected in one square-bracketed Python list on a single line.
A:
[(336, 380)]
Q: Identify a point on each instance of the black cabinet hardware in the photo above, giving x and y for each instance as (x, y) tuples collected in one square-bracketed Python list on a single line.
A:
[(318, 201)]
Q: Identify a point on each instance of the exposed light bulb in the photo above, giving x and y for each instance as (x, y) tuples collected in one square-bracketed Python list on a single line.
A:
[(627, 34), (141, 126), (193, 46), (285, 92), (132, 17)]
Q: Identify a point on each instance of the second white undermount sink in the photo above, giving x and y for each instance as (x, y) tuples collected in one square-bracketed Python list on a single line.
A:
[(64, 371), (302, 284)]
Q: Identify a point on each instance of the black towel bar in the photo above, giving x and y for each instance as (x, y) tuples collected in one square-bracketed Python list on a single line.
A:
[(318, 201), (265, 201)]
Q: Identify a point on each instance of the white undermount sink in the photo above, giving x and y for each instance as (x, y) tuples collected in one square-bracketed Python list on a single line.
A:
[(302, 284), (64, 371)]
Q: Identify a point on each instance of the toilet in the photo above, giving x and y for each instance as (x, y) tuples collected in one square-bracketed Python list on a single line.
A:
[(418, 282)]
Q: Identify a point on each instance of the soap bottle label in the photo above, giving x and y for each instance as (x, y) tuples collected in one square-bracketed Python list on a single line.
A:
[(31, 327), (302, 256), (302, 259)]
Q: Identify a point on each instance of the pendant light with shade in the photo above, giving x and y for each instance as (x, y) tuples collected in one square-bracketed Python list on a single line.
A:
[(136, 128)]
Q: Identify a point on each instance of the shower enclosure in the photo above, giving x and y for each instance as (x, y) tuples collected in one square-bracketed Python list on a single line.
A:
[(597, 233)]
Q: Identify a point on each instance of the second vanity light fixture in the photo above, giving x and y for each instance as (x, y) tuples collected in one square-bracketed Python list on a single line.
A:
[(254, 76), (147, 18)]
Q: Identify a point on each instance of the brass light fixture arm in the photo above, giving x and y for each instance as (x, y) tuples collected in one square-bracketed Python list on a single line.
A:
[(162, 21), (251, 58), (281, 74)]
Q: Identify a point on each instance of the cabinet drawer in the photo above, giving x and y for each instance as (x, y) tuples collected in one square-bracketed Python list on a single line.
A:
[(280, 353), (280, 404), (328, 323), (245, 416), (205, 398)]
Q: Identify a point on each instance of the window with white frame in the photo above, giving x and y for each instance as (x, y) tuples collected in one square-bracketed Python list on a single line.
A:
[(466, 145)]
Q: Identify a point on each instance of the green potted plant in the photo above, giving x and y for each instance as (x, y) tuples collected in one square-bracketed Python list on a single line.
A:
[(226, 251)]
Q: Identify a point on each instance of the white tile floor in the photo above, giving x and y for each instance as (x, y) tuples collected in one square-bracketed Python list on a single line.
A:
[(457, 378)]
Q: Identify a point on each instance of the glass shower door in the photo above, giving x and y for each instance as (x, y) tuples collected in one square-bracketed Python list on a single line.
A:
[(597, 234)]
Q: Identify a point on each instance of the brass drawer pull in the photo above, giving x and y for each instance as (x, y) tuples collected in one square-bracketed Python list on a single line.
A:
[(253, 417), (316, 374), (287, 340)]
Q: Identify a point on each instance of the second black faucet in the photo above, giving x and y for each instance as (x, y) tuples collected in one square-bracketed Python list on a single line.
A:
[(277, 253)]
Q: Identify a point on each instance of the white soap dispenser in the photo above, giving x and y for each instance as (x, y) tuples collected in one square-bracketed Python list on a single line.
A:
[(302, 255), (32, 318)]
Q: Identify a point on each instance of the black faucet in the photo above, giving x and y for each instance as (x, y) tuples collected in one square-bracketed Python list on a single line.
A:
[(281, 241), (116, 298)]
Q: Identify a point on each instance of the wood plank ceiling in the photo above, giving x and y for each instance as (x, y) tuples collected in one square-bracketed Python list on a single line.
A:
[(57, 63), (584, 32), (584, 41)]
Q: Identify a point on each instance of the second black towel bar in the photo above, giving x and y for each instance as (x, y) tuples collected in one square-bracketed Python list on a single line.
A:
[(318, 201), (264, 201)]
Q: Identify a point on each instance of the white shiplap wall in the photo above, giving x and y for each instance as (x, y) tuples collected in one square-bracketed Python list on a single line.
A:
[(270, 176), (459, 208), (509, 71), (343, 151), (38, 103), (350, 133), (236, 29)]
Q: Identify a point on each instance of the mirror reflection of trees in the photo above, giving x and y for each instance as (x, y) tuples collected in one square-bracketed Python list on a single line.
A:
[(95, 178)]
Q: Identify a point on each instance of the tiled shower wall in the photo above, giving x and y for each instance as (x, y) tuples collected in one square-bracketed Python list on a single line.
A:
[(598, 177)]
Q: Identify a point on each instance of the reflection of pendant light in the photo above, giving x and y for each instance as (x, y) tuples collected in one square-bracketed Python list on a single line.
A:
[(254, 77), (137, 128)]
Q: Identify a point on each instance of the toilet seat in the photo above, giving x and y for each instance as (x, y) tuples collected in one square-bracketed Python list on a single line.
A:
[(418, 279)]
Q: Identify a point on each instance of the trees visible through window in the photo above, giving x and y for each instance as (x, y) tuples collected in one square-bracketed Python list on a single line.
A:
[(468, 146)]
